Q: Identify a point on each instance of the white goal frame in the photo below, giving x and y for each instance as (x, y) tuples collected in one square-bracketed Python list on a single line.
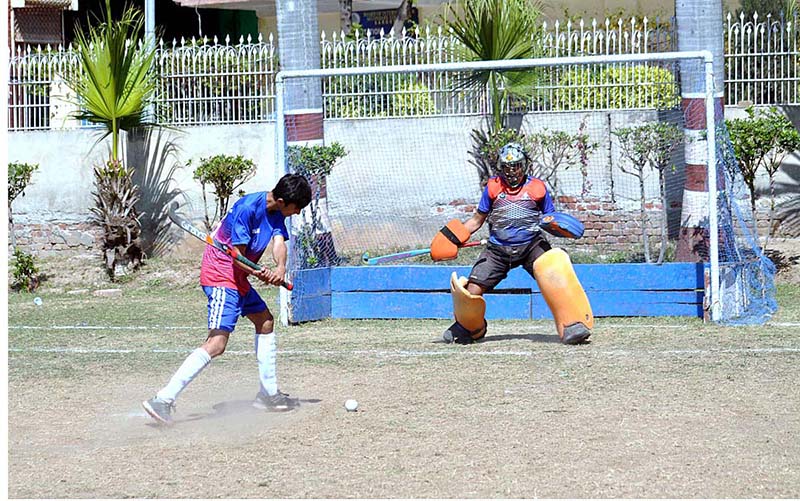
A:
[(703, 56)]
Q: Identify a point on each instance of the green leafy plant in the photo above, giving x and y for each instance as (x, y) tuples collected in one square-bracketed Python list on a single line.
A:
[(19, 176), (413, 99), (315, 163), (490, 30), (376, 96), (115, 84), (25, 272), (552, 151), (224, 173), (113, 87), (650, 145), (616, 87), (762, 141)]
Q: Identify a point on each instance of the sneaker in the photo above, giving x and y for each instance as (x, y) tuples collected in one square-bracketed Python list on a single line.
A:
[(576, 333), (280, 402), (160, 410)]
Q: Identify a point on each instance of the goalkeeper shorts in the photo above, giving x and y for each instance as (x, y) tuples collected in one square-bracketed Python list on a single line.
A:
[(226, 305), (496, 261)]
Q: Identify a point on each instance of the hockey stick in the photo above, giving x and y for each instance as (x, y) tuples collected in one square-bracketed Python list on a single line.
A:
[(365, 259), (208, 239)]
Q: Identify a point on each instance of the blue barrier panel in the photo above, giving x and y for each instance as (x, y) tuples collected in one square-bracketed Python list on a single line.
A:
[(313, 289), (419, 291), (423, 305), (412, 278)]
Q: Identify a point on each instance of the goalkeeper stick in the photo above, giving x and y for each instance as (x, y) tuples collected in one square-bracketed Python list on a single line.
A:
[(208, 239), (365, 259)]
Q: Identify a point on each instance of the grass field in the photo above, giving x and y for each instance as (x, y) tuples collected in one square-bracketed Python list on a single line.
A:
[(666, 407)]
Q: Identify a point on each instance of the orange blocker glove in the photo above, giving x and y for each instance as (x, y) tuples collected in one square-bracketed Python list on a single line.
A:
[(446, 243)]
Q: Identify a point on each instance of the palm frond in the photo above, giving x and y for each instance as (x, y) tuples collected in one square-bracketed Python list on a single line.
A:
[(491, 30), (116, 82)]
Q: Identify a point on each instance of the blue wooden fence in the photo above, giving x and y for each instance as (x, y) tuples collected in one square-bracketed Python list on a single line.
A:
[(614, 290)]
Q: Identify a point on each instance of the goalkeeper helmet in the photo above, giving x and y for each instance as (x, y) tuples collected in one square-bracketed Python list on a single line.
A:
[(512, 165)]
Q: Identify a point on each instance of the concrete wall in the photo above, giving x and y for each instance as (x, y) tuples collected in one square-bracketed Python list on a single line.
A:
[(400, 181), (54, 214)]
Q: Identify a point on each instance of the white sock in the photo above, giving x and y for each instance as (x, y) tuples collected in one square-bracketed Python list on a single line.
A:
[(189, 369), (266, 354)]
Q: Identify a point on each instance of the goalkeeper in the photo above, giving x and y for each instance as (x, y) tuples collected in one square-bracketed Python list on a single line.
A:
[(251, 224), (517, 206)]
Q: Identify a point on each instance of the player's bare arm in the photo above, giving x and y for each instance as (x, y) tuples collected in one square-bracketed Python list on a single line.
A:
[(265, 274), (241, 249), (474, 223), (279, 253)]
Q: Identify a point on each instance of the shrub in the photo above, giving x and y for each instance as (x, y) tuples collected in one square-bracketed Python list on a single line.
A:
[(413, 99), (225, 173), (376, 96), (554, 151), (24, 271), (485, 146), (19, 175), (762, 141), (315, 162), (615, 87)]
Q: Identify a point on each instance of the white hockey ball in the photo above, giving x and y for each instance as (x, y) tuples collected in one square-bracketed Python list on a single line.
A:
[(351, 405)]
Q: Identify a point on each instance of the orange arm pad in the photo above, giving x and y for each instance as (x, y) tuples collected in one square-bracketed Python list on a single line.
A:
[(445, 244)]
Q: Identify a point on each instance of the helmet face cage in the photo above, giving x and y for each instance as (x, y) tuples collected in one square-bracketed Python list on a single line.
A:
[(512, 164)]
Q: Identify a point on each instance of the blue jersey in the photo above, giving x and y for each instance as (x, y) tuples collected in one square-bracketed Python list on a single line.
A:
[(247, 223)]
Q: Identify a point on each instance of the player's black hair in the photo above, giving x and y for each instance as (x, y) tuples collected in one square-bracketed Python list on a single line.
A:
[(293, 189)]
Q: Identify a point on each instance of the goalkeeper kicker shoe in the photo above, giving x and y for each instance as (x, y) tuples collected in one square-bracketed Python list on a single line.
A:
[(279, 402), (160, 410)]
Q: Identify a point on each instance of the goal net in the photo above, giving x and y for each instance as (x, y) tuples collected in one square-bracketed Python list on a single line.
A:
[(404, 149)]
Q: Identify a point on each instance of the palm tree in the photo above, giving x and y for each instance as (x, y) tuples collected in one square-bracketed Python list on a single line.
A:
[(491, 30), (114, 85), (116, 82)]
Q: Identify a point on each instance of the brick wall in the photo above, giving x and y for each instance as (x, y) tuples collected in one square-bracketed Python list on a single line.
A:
[(48, 239)]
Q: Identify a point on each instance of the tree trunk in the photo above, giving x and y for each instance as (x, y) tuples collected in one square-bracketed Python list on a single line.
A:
[(699, 27), (11, 232), (645, 217), (403, 14), (298, 43), (345, 15), (663, 181)]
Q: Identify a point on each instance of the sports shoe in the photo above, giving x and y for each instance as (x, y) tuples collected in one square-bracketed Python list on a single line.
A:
[(280, 402), (160, 410), (576, 333)]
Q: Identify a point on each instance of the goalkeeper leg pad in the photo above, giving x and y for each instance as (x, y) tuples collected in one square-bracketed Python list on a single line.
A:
[(469, 311), (564, 295)]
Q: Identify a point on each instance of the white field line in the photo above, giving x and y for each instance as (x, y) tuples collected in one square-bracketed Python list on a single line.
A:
[(603, 325), (416, 353), (388, 354)]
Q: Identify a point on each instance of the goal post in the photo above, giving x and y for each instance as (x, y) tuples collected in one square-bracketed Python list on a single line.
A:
[(410, 138)]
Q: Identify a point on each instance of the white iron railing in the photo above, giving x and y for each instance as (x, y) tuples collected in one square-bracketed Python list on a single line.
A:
[(761, 59), (205, 82)]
